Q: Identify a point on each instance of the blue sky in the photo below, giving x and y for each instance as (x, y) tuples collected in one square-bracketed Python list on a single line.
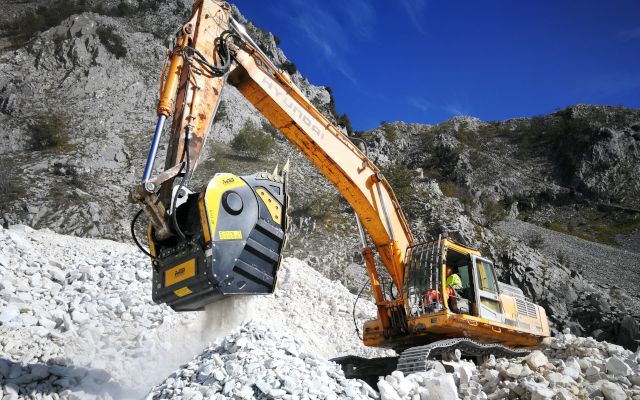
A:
[(426, 61)]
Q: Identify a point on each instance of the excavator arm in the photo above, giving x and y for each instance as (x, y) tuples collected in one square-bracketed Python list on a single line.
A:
[(212, 49), (357, 179)]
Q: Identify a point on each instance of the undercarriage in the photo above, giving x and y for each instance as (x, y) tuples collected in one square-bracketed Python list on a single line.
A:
[(421, 358)]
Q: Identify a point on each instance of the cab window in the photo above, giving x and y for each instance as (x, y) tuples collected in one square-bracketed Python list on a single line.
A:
[(463, 272), (485, 273)]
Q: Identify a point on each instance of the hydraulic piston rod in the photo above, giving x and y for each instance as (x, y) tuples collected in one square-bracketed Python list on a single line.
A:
[(153, 151)]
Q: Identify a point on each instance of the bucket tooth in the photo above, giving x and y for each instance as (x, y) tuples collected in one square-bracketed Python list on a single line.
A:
[(285, 169)]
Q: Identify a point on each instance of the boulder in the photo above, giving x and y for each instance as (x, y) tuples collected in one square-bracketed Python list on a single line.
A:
[(387, 392), (8, 314), (612, 391), (538, 391), (536, 359), (615, 366), (511, 371), (440, 386)]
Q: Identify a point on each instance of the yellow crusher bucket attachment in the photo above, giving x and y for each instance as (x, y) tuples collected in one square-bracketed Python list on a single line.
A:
[(234, 233)]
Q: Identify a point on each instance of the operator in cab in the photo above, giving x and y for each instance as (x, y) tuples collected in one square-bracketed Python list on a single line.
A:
[(454, 283)]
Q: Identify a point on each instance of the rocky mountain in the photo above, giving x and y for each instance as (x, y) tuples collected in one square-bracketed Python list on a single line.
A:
[(77, 97), (76, 108)]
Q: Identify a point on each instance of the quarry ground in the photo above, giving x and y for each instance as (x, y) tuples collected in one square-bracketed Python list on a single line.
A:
[(77, 322)]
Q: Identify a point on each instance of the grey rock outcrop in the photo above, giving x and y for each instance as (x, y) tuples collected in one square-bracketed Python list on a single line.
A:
[(77, 111)]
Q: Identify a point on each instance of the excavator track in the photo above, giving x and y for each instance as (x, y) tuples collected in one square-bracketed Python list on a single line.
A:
[(419, 359)]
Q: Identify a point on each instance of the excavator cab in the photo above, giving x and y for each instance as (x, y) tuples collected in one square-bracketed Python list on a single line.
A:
[(426, 275), (495, 312)]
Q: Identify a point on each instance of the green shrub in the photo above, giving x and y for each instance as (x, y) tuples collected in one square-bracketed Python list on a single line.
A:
[(250, 142), (442, 157), (433, 173), (566, 140), (43, 18), (123, 9), (289, 66), (390, 132), (345, 122), (112, 41), (466, 136), (536, 241), (604, 228), (271, 130), (323, 206), (10, 188), (449, 189), (342, 120), (503, 245), (493, 212), (49, 133), (561, 257), (332, 101), (277, 40), (221, 112), (401, 180)]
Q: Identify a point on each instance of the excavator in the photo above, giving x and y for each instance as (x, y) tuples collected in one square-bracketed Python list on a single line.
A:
[(227, 238)]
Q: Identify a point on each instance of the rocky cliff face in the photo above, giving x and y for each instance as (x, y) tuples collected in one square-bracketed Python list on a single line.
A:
[(77, 111), (76, 115)]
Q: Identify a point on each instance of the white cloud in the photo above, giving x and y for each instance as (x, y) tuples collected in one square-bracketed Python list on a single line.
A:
[(419, 103), (333, 33), (362, 17), (415, 10), (454, 109)]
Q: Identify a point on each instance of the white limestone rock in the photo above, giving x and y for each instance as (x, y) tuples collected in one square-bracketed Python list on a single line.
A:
[(612, 391), (617, 367), (536, 359)]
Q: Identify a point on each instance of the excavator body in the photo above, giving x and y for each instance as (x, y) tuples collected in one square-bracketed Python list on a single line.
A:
[(227, 239)]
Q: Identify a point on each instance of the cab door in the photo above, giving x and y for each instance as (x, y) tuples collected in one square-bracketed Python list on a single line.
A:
[(487, 300)]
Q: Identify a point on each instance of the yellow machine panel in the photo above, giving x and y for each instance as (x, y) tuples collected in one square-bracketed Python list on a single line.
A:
[(230, 235), (185, 291), (180, 272)]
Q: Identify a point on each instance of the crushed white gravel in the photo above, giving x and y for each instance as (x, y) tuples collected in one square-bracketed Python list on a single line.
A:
[(79, 313), (77, 322)]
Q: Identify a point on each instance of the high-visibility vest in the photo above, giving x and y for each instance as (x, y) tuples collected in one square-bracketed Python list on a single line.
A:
[(454, 281)]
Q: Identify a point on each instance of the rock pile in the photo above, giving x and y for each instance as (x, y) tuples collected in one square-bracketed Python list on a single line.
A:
[(77, 322), (76, 317), (258, 361), (569, 367)]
